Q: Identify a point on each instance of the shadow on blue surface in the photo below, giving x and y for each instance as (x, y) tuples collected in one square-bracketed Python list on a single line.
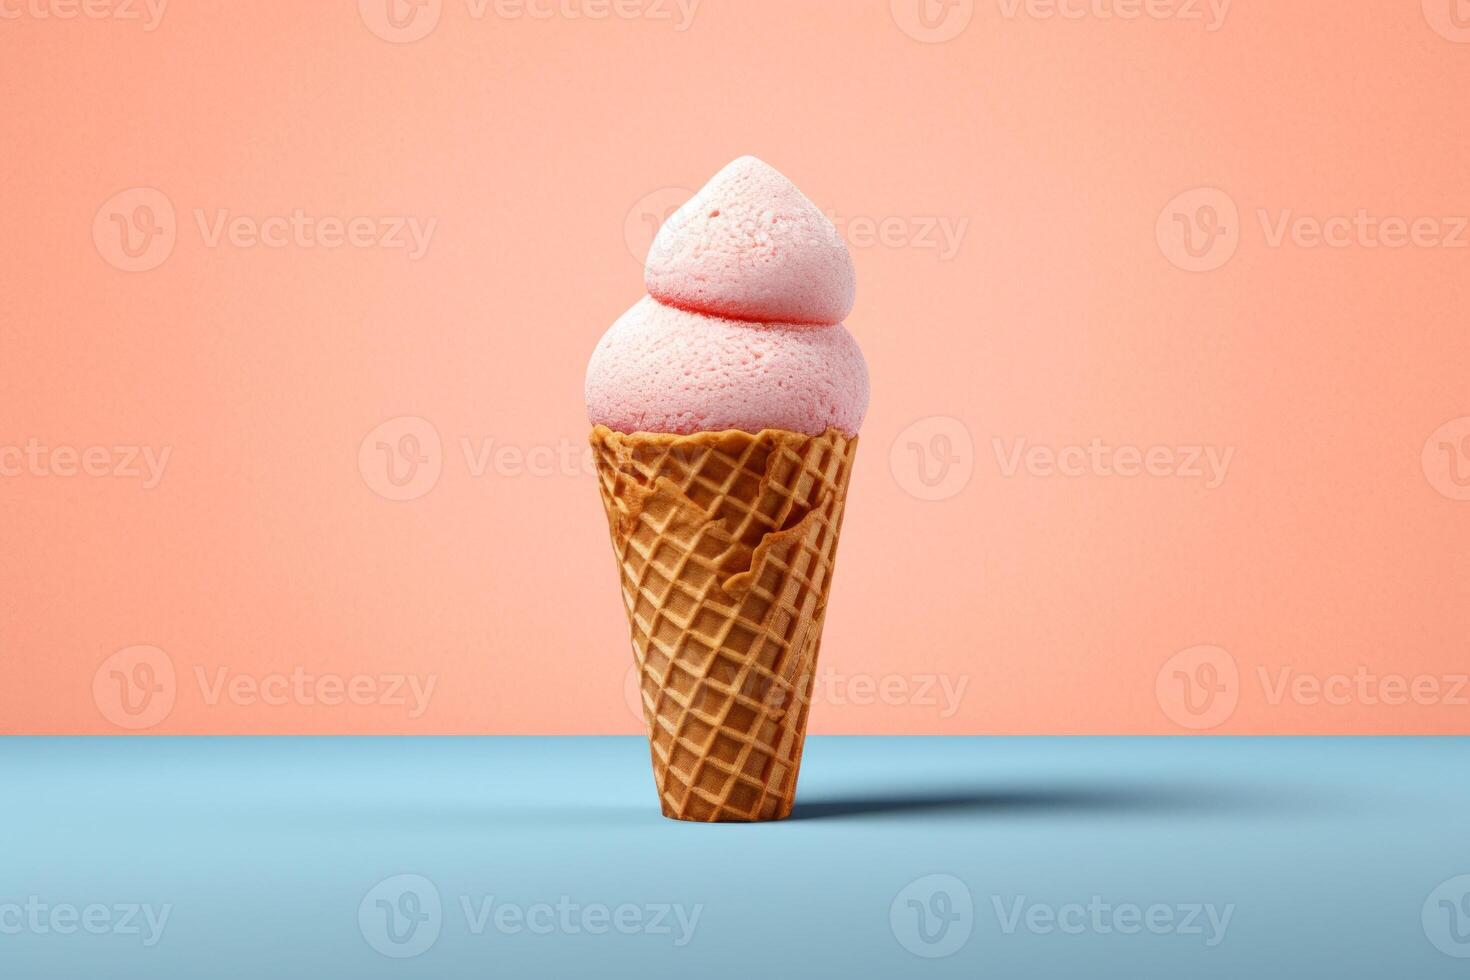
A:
[(1061, 800)]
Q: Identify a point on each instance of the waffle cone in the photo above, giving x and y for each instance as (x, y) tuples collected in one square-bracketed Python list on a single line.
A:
[(726, 543)]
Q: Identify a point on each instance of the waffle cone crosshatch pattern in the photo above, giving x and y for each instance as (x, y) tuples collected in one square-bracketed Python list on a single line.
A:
[(726, 544)]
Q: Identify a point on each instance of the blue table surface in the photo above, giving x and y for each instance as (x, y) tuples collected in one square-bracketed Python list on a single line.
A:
[(906, 857)]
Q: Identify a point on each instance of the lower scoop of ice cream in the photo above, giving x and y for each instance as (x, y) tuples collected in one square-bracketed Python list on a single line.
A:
[(663, 369)]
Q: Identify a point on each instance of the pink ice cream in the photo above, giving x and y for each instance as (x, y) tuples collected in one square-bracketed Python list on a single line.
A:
[(742, 328)]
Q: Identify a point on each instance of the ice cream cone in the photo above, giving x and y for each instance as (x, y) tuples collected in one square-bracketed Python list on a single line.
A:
[(725, 407), (726, 543)]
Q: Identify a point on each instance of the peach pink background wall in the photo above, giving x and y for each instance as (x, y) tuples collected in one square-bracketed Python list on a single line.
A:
[(1165, 304)]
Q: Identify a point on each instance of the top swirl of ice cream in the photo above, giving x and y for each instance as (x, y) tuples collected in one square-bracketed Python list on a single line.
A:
[(748, 285), (750, 246)]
